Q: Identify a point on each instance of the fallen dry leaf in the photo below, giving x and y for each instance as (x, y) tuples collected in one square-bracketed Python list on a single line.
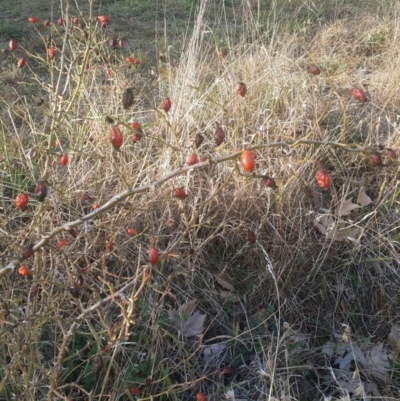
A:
[(335, 230), (346, 207), (346, 354), (329, 349), (325, 224), (187, 308), (225, 281), (213, 350), (363, 199), (348, 381), (195, 325), (190, 325), (378, 362)]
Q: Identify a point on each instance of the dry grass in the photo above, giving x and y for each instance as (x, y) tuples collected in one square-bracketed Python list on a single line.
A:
[(100, 325)]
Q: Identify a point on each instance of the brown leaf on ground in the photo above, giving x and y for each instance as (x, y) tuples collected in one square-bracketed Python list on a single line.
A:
[(378, 362), (335, 230), (183, 319), (346, 207), (363, 199), (195, 325), (225, 280)]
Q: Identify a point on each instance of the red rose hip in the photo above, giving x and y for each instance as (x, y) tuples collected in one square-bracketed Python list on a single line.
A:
[(116, 137), (247, 160), (359, 95), (21, 201), (153, 256), (323, 178), (166, 104)]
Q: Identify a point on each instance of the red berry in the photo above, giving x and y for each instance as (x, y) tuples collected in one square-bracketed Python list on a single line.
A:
[(166, 104), (179, 193), (247, 160), (250, 236), (26, 252), (47, 22), (96, 206), (192, 159), (314, 70), (137, 131), (241, 89), (40, 191), (375, 158), (23, 271), (135, 390), (116, 137), (62, 243), (109, 245), (359, 95), (227, 370), (136, 137), (21, 201), (12, 45), (64, 159), (219, 135), (201, 397), (103, 19), (108, 72), (34, 291), (121, 43), (131, 232), (323, 178), (21, 62), (130, 59), (32, 20), (60, 22), (153, 256), (269, 182), (51, 52), (138, 62)]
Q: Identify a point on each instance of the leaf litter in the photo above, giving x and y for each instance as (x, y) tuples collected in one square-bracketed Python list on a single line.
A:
[(363, 199), (190, 324), (336, 230), (346, 207)]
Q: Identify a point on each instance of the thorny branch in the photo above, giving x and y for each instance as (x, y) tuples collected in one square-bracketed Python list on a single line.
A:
[(115, 200)]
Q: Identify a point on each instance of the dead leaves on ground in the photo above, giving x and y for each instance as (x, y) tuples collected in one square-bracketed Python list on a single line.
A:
[(334, 227), (185, 321), (357, 368), (363, 199), (336, 230)]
